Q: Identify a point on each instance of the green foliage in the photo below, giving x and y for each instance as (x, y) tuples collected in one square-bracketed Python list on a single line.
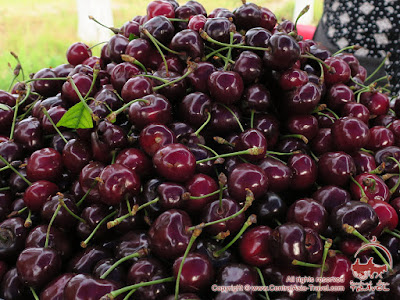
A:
[(78, 116)]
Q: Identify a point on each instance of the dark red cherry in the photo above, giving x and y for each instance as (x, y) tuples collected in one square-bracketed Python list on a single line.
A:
[(13, 235), (159, 27), (292, 79), (338, 95), (116, 46), (46, 88), (237, 273), (12, 287), (198, 186), (139, 49), (199, 77), (254, 246), (85, 260), (28, 133), (380, 137), (135, 160), (156, 109), (76, 154), (257, 97), (217, 210), (268, 18), (384, 155), (224, 120), (336, 70), (335, 168), (37, 266), (304, 171), (197, 22), (308, 213), (283, 52), (356, 110), (219, 28), (171, 195), (83, 83), (121, 73), (225, 86), (268, 124), (377, 103), (175, 162), (160, 8), (247, 16), (387, 216), (63, 218), (249, 66), (350, 134), (322, 142), (197, 272), (194, 108), (10, 151), (168, 234), (55, 289), (7, 98), (251, 138), (44, 164), (135, 88), (372, 185), (247, 176), (117, 181), (306, 125), (364, 161), (188, 41), (77, 53), (358, 214), (38, 193), (279, 174), (82, 287), (155, 136), (130, 27), (331, 196), (302, 100)]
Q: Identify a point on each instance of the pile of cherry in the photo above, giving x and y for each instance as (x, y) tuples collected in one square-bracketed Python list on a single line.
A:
[(197, 152)]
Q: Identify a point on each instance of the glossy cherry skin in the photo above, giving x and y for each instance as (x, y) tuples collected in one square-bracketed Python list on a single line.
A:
[(237, 273), (77, 53), (135, 160), (364, 161), (160, 28), (87, 180), (148, 269), (335, 168), (135, 88), (44, 164), (279, 175), (356, 110), (157, 109), (10, 151), (46, 88), (155, 136), (338, 96), (198, 186), (287, 242), (380, 137), (195, 108), (197, 272), (373, 186), (338, 266), (28, 133), (358, 214), (171, 195), (85, 287), (13, 233), (283, 52), (117, 182), (37, 266), (306, 125), (175, 162), (63, 218), (308, 213), (225, 86), (251, 138), (7, 98), (199, 77), (257, 97), (254, 246), (301, 100), (249, 66), (213, 212), (160, 8), (304, 171), (219, 28), (385, 154), (76, 154), (38, 193), (350, 134), (314, 245), (85, 260), (168, 235), (268, 124), (292, 79), (247, 176), (12, 287), (92, 214), (377, 103), (131, 242), (55, 289), (223, 121), (189, 42), (83, 83), (387, 216), (331, 196), (121, 73), (339, 71)]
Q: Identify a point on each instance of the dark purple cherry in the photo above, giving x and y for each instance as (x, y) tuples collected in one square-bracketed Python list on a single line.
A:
[(219, 28), (338, 72), (356, 110), (247, 176), (283, 52), (38, 193), (7, 98), (83, 83), (225, 86), (279, 174), (55, 289), (76, 154), (249, 66), (306, 125), (304, 171), (302, 100), (308, 213), (287, 242), (46, 88), (237, 273), (350, 134), (292, 79), (198, 78), (12, 287), (338, 96), (28, 133), (322, 142), (268, 124), (92, 214), (358, 214), (247, 16), (10, 151), (331, 196), (188, 41), (168, 234), (85, 260), (197, 272), (194, 108), (335, 168), (63, 218), (384, 155), (139, 49), (160, 28), (198, 186), (121, 73), (13, 235), (268, 18), (116, 46), (257, 97), (130, 27), (171, 195), (223, 121), (44, 164), (135, 88), (37, 266), (380, 137), (251, 138), (175, 162), (156, 109)]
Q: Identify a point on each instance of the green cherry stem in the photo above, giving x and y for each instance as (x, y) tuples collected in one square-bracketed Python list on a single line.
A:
[(14, 118), (395, 234), (116, 293), (132, 60), (210, 194), (178, 20), (113, 29), (193, 238), (262, 281), (250, 151), (128, 296), (364, 197), (378, 68), (86, 242), (208, 148), (96, 70), (197, 133), (296, 262), (396, 186), (46, 243), (15, 170), (71, 81), (297, 136), (351, 230), (190, 70), (18, 69), (327, 246), (302, 13), (252, 113), (6, 188), (215, 52), (250, 220), (112, 116), (351, 47), (79, 203), (16, 213), (28, 221), (234, 115), (140, 253), (229, 54), (332, 112), (35, 296), (46, 113), (157, 45), (62, 203)]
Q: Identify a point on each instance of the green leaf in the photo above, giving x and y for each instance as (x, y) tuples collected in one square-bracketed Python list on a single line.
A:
[(132, 37), (78, 116), (4, 107)]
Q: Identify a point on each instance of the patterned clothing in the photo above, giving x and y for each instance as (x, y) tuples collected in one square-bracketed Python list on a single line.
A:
[(372, 24)]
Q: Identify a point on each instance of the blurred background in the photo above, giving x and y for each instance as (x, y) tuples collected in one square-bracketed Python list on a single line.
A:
[(40, 32)]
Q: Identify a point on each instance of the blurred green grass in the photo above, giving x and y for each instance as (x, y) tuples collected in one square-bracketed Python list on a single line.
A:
[(40, 32)]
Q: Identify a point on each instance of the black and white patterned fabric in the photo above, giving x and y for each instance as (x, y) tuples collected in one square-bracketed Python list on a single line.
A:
[(372, 24)]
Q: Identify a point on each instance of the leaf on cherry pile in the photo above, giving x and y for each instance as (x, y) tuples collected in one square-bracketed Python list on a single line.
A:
[(132, 37), (78, 116), (4, 107)]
